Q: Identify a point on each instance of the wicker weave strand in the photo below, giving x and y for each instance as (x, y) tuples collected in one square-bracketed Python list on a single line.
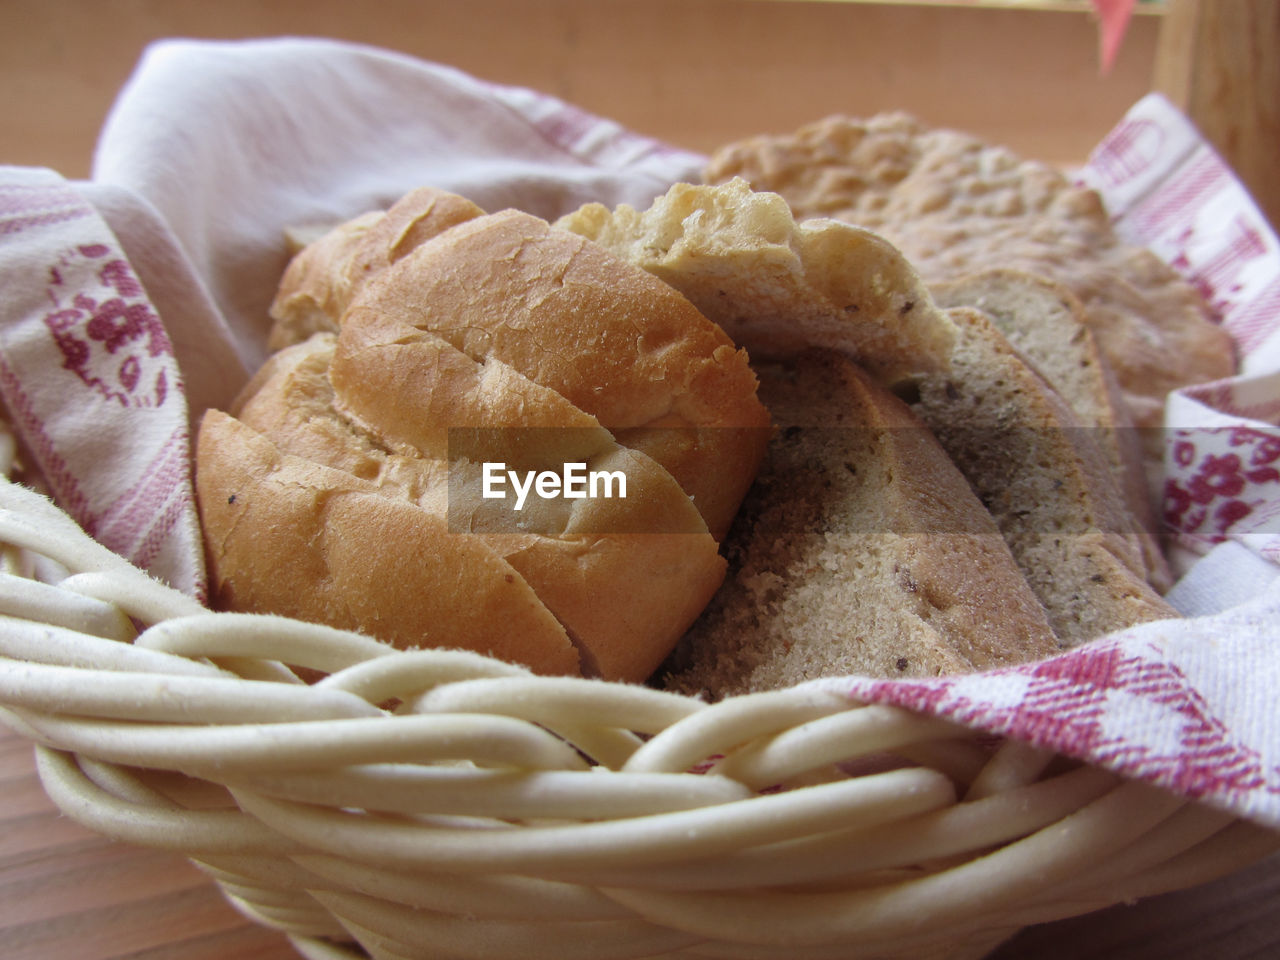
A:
[(429, 803)]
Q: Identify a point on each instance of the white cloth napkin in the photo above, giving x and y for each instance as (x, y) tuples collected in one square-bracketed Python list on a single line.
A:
[(214, 148), (232, 142)]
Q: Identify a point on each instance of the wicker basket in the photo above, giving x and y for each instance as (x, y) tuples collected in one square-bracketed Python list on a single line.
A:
[(441, 804)]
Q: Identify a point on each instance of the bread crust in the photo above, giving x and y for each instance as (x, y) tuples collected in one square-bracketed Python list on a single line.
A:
[(624, 577), (288, 536), (611, 340), (439, 339), (324, 277)]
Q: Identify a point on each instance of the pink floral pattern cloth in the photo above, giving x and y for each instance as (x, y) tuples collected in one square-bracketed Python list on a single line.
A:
[(183, 224), (1167, 189), (89, 379)]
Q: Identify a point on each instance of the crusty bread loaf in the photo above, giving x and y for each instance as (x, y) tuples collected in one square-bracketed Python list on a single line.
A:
[(1044, 478), (860, 550), (614, 341), (326, 274), (289, 536), (615, 573), (431, 340), (1045, 323), (955, 204)]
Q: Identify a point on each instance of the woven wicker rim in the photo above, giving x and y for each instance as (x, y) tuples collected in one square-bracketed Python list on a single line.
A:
[(437, 803)]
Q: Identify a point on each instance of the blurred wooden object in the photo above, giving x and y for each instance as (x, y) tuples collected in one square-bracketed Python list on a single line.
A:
[(696, 73), (1219, 61)]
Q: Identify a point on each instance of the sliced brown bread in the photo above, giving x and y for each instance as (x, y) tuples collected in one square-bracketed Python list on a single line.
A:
[(1045, 322), (1044, 479), (860, 550)]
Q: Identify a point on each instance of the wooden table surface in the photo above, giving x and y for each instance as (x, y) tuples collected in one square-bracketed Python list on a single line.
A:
[(68, 894)]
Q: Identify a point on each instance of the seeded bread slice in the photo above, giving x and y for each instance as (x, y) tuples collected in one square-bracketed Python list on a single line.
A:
[(1042, 477), (860, 550)]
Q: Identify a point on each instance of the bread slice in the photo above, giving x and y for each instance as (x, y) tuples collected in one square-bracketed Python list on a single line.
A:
[(624, 576), (775, 285), (860, 550), (1044, 479), (1045, 323)]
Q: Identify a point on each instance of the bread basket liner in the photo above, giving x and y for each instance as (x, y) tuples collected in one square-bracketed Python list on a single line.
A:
[(498, 814)]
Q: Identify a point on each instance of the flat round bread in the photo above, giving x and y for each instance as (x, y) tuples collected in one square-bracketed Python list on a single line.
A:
[(955, 204)]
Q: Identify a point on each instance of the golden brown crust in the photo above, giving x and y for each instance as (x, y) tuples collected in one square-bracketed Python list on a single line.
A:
[(612, 341), (292, 537), (441, 338), (323, 278), (622, 596)]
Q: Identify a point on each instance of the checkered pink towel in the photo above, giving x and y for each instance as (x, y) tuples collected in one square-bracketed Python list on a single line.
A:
[(138, 299), (1185, 704)]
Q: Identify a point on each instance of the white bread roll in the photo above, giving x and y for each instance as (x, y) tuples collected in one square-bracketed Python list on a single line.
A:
[(292, 537), (615, 573), (614, 341), (434, 337)]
